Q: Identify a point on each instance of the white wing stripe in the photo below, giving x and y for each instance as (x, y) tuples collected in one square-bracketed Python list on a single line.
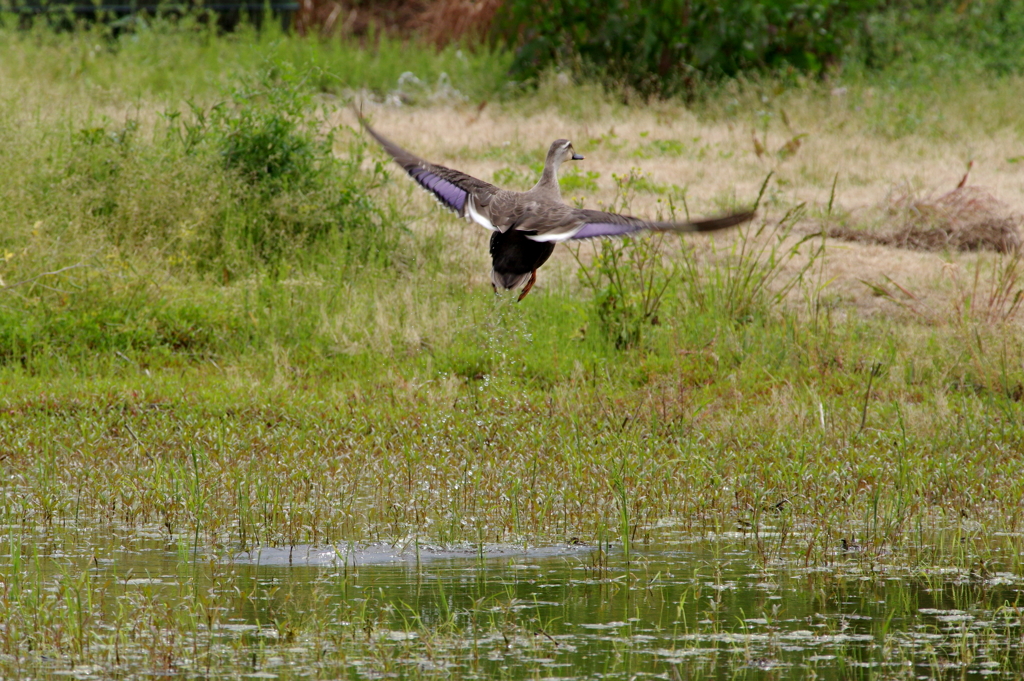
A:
[(555, 236), (476, 216)]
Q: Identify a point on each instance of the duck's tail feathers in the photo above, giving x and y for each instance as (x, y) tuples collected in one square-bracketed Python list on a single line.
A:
[(508, 280)]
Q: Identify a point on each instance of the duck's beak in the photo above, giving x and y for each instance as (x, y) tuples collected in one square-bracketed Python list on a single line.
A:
[(577, 157)]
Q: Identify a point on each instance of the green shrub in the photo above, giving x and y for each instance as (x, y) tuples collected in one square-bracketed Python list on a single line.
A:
[(756, 272), (628, 277), (87, 311), (114, 225), (261, 137), (671, 47), (293, 191), (667, 47), (984, 35)]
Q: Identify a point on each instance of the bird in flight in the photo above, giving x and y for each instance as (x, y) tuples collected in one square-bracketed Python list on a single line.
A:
[(527, 225)]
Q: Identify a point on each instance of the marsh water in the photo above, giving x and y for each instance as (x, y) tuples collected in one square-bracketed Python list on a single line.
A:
[(682, 607)]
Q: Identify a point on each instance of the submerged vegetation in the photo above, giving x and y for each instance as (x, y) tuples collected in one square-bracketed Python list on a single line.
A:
[(226, 324)]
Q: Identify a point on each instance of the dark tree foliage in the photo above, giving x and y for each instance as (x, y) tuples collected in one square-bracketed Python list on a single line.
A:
[(666, 47)]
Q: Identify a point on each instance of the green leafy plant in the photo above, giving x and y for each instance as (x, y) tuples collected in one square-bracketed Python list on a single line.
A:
[(629, 280), (294, 192), (668, 48), (755, 272), (575, 180), (266, 135), (629, 276)]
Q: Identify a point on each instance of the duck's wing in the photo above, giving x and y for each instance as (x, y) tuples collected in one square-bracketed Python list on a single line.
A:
[(458, 192), (563, 223)]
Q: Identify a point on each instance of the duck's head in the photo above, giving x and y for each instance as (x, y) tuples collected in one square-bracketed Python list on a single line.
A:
[(561, 150)]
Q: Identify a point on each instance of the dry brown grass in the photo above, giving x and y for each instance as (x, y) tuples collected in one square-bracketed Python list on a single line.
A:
[(438, 22), (719, 164), (964, 219)]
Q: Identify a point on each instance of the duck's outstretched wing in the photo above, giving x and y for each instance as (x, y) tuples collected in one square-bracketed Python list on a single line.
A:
[(599, 223), (458, 192), (565, 223)]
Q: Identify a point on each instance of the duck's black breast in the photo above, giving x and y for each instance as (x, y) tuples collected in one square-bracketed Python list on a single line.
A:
[(513, 253)]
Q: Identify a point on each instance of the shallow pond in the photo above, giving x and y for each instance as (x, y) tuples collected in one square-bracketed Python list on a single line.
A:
[(684, 607)]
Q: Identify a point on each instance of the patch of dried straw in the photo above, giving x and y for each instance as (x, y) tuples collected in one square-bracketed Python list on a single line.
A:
[(965, 219)]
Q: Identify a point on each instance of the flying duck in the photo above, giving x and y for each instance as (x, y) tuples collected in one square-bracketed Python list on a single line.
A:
[(527, 225)]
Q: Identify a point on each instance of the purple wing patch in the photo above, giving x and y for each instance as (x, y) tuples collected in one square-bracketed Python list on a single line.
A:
[(450, 195), (596, 229)]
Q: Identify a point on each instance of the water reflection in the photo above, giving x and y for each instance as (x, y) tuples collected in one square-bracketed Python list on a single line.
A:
[(699, 609), (683, 608)]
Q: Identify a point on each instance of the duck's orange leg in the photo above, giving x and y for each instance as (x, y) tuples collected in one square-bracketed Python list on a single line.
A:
[(529, 285)]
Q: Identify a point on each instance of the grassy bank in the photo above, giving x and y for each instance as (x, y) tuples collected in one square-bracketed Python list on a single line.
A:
[(174, 250)]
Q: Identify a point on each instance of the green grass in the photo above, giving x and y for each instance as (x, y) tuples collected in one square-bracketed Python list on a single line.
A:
[(165, 251), (769, 409), (173, 61)]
